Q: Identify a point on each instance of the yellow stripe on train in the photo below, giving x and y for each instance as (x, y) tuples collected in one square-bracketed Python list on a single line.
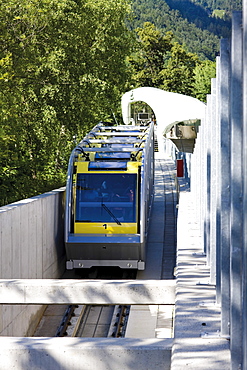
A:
[(105, 228)]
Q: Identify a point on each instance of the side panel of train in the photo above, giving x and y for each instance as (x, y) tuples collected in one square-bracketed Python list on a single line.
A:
[(108, 197)]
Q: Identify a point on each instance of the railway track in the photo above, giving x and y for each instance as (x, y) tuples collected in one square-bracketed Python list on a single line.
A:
[(87, 320), (94, 321)]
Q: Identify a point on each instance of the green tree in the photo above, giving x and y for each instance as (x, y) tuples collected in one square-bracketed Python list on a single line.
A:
[(62, 69), (178, 74), (203, 74), (193, 33), (148, 61), (162, 62)]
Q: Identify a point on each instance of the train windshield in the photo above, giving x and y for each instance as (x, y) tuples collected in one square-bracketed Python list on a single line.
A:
[(106, 198)]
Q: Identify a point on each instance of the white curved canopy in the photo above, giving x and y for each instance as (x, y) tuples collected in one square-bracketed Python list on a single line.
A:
[(168, 107)]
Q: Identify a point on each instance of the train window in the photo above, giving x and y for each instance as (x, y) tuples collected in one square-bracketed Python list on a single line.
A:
[(115, 165), (106, 197), (112, 156)]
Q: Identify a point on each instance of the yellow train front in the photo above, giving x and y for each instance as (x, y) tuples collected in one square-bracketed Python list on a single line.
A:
[(108, 197)]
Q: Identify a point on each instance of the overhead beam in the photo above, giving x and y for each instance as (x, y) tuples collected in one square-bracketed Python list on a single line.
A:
[(71, 291)]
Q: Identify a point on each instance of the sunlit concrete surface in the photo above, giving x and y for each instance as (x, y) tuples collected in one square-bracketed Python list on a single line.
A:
[(150, 322), (197, 341), (142, 322), (54, 291), (86, 354)]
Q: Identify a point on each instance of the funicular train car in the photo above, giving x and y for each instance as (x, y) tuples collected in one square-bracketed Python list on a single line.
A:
[(109, 194)]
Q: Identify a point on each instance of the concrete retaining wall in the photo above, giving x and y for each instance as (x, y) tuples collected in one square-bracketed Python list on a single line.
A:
[(86, 354), (31, 247)]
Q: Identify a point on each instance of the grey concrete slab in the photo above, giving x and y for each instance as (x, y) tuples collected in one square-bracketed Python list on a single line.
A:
[(86, 354), (56, 291)]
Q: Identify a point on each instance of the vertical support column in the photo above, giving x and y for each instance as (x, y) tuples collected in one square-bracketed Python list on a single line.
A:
[(236, 192), (208, 178), (199, 172), (193, 173), (203, 180), (196, 184), (224, 108), (218, 184), (197, 168), (244, 355), (213, 183)]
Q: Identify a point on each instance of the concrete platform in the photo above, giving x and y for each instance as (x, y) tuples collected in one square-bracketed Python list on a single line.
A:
[(197, 342)]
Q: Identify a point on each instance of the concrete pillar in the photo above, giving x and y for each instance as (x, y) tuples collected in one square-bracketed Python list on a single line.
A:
[(213, 182), (244, 356), (207, 138), (236, 192), (224, 108), (218, 183), (203, 163)]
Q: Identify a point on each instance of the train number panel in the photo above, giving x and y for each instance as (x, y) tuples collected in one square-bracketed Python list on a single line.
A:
[(108, 197)]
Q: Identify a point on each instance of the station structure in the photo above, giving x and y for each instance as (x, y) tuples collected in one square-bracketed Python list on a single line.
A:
[(207, 289)]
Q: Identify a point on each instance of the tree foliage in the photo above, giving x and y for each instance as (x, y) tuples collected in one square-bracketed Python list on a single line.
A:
[(227, 5), (178, 74), (204, 72), (64, 66), (199, 35), (148, 60), (160, 61), (62, 69)]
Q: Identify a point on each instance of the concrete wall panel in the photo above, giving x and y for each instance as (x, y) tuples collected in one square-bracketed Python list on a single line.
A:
[(7, 317), (32, 240), (1, 318), (6, 241), (39, 242), (31, 247), (16, 248), (24, 240)]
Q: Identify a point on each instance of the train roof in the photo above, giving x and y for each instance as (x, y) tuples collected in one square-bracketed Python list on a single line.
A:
[(111, 147)]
